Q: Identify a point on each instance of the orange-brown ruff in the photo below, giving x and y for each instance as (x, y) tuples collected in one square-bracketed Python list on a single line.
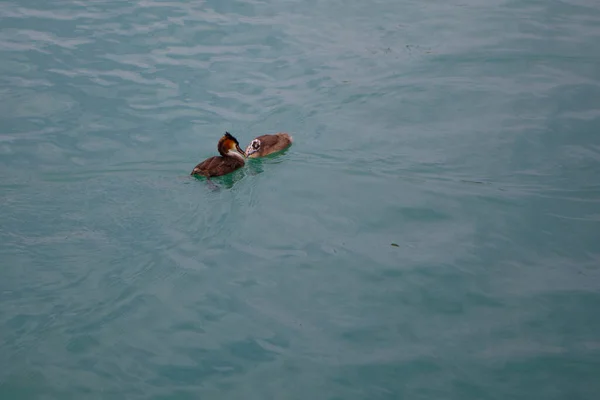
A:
[(231, 158), (268, 144)]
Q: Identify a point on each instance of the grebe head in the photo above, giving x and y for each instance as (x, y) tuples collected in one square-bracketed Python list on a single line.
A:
[(229, 146), (253, 147)]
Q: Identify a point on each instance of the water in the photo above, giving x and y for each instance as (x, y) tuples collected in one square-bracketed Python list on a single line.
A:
[(465, 133)]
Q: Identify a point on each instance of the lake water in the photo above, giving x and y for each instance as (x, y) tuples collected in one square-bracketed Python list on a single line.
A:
[(433, 232)]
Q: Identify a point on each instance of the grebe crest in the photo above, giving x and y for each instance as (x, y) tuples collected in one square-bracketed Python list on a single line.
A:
[(228, 146)]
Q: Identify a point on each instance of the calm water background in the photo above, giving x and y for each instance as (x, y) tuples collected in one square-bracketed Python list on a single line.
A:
[(465, 132)]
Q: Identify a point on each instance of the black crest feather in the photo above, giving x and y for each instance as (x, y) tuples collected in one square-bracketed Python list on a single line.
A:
[(230, 136)]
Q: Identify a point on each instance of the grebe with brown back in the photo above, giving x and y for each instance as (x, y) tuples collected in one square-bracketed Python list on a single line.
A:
[(268, 144), (231, 158)]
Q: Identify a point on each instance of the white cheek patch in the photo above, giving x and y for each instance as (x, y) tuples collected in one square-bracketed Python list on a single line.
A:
[(234, 153), (253, 147)]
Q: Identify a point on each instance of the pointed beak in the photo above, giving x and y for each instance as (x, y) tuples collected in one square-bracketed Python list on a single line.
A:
[(249, 150), (239, 150)]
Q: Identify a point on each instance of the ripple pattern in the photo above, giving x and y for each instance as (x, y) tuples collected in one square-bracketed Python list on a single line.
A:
[(463, 133)]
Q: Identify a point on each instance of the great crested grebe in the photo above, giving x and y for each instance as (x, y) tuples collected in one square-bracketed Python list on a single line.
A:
[(268, 144), (231, 158)]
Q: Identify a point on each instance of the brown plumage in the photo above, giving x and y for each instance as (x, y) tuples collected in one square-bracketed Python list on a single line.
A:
[(268, 144), (231, 158)]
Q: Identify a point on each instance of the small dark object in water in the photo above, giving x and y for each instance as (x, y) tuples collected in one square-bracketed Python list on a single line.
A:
[(395, 244)]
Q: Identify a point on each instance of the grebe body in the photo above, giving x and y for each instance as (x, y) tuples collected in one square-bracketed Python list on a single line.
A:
[(268, 144), (231, 158)]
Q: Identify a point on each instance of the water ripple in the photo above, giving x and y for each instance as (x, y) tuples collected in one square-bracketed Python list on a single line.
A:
[(429, 234)]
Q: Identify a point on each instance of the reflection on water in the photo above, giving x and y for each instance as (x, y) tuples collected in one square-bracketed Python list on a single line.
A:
[(252, 167)]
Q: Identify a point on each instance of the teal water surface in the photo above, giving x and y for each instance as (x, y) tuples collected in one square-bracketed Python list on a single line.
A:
[(431, 234)]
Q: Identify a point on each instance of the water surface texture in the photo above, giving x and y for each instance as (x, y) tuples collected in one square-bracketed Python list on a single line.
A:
[(433, 233)]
